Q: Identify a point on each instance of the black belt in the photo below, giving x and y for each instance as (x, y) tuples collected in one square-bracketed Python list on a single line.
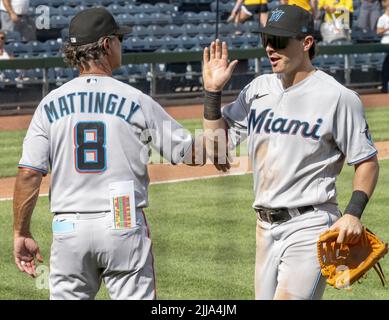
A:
[(279, 215)]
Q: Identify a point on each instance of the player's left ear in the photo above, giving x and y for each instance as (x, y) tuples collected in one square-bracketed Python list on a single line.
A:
[(308, 42), (107, 44)]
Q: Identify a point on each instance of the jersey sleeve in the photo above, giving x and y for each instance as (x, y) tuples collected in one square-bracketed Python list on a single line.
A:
[(351, 129), (36, 145), (381, 22), (168, 137), (236, 114)]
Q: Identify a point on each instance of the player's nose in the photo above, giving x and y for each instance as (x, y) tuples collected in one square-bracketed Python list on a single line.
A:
[(269, 49)]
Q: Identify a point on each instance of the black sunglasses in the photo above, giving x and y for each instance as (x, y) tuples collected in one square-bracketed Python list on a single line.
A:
[(120, 37), (277, 42)]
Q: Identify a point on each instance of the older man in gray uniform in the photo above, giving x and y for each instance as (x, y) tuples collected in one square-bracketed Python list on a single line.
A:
[(301, 126), (94, 132)]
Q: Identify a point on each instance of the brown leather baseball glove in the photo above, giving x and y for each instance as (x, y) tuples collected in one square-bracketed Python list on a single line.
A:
[(343, 264)]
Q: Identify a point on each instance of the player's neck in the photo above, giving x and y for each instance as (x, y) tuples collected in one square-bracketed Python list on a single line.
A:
[(298, 75), (95, 69)]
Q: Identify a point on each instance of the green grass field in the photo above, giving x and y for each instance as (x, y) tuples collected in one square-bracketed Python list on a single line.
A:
[(11, 141), (204, 240)]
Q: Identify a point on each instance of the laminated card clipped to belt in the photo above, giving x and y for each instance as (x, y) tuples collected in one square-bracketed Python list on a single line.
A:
[(122, 198)]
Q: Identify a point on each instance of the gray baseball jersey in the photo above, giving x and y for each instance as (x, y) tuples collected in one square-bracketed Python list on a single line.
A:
[(95, 130), (298, 138)]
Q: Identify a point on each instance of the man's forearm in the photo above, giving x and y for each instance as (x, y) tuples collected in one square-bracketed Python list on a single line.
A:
[(365, 180), (25, 196), (215, 129), (366, 176), (8, 7)]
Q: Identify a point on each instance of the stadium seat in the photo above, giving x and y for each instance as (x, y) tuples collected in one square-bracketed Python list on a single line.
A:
[(171, 43), (207, 29), (12, 36), (19, 49), (156, 31), (59, 22), (50, 3), (127, 19), (174, 30), (67, 11), (91, 3), (191, 29), (227, 28), (54, 11), (205, 41), (207, 16), (135, 44), (106, 3), (38, 48), (223, 7), (165, 7), (154, 43), (132, 8), (117, 9), (252, 40), (54, 46), (188, 42), (148, 8), (140, 31), (237, 41), (74, 3), (251, 26)]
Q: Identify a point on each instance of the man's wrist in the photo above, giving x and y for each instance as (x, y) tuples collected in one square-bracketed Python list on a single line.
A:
[(212, 103), (357, 204)]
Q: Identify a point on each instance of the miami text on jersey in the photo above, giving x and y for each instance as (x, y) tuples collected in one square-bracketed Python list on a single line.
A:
[(269, 124), (91, 102)]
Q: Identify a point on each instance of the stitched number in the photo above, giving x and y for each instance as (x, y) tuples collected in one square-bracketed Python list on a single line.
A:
[(89, 147)]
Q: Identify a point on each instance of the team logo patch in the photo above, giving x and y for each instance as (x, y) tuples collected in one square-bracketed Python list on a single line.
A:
[(276, 15), (367, 134), (122, 212)]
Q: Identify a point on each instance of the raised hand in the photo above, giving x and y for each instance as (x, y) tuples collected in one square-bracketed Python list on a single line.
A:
[(216, 68)]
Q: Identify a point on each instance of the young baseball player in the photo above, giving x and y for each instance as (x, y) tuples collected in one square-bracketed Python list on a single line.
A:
[(301, 126), (94, 134)]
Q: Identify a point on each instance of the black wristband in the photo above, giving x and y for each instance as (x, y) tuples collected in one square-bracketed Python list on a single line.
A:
[(212, 103), (357, 204)]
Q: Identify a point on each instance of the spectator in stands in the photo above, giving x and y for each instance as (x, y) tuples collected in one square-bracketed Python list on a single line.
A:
[(3, 54), (337, 19), (308, 5), (383, 29), (368, 15), (245, 9), (14, 17)]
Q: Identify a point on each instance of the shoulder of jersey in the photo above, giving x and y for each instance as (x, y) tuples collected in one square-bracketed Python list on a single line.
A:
[(333, 85), (128, 89), (260, 80)]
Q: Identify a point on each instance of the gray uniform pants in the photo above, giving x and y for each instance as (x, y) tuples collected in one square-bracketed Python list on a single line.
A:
[(286, 265), (25, 26), (87, 250), (368, 15)]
